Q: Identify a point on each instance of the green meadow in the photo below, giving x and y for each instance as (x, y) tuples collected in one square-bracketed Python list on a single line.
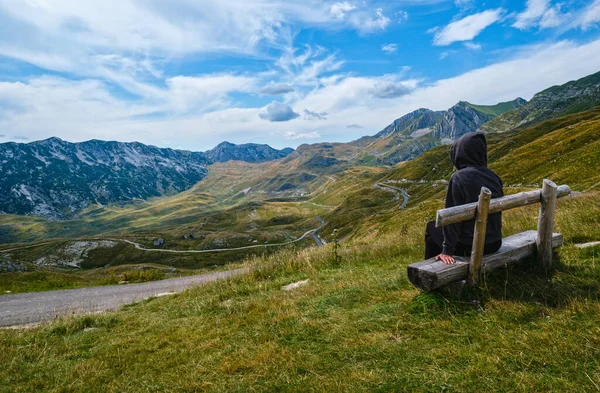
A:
[(357, 325)]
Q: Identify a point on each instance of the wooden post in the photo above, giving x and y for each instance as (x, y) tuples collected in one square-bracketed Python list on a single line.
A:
[(546, 223), (483, 207)]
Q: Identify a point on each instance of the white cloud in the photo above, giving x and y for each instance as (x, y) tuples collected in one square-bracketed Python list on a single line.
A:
[(274, 89), (463, 3), (389, 89), (207, 92), (531, 70), (539, 13), (472, 46), (128, 42), (445, 54), (590, 15), (362, 19), (401, 16), (311, 115), (379, 22), (304, 135), (277, 111), (389, 48), (197, 112), (467, 28), (306, 68), (339, 10)]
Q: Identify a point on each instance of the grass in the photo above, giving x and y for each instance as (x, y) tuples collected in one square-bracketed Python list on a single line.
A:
[(220, 215), (48, 279), (357, 326), (565, 150), (495, 110)]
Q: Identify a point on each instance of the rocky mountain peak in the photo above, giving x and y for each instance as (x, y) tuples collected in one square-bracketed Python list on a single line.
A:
[(249, 152)]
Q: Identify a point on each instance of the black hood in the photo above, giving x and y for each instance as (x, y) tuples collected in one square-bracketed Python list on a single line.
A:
[(469, 150)]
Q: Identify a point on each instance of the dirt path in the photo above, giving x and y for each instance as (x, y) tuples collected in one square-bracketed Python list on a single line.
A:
[(25, 308), (24, 247)]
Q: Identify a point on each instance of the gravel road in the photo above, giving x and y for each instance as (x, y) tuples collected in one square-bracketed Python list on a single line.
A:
[(25, 308)]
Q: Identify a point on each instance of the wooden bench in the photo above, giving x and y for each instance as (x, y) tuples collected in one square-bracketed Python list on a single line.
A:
[(431, 274)]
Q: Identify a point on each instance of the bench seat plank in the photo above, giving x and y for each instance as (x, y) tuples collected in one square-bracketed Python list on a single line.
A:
[(431, 274)]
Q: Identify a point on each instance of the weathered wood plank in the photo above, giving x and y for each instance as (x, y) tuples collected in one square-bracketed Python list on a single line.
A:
[(431, 274), (546, 223), (479, 235), (467, 212)]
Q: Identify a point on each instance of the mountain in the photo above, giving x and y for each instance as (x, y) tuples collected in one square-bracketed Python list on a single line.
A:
[(54, 178), (418, 131), (572, 97), (249, 152), (565, 149), (465, 117), (414, 124)]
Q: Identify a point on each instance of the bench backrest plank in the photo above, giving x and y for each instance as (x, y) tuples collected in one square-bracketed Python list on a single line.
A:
[(467, 212)]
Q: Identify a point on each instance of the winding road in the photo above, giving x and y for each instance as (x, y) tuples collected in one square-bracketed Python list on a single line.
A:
[(307, 233), (139, 247), (397, 191), (27, 308), (33, 307)]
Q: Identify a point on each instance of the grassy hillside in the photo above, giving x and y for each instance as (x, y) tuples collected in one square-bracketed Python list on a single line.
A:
[(358, 325), (566, 150), (240, 204), (500, 108), (572, 97)]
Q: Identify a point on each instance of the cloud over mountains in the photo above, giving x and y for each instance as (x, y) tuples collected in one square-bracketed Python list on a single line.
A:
[(277, 111), (190, 74)]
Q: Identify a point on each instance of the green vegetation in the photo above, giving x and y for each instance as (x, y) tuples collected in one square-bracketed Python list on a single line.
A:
[(45, 279), (570, 98), (566, 150), (500, 108), (220, 214), (357, 326)]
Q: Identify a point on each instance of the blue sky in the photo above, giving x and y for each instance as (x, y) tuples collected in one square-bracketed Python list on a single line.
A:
[(190, 74)]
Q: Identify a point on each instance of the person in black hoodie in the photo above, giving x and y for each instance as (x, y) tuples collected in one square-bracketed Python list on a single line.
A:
[(469, 156)]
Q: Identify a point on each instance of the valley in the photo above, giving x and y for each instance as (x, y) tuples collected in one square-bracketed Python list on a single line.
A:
[(272, 200), (240, 196)]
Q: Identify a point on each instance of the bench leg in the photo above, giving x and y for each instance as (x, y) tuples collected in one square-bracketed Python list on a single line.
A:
[(546, 223), (483, 208)]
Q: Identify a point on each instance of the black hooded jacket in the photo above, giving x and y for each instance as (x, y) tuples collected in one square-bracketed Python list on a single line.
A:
[(469, 156)]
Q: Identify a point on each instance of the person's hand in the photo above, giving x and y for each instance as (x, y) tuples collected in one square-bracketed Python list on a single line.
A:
[(447, 259)]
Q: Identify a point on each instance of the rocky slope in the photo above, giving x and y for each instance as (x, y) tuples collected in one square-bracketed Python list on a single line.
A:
[(414, 124), (572, 97), (249, 152), (418, 131), (54, 178), (465, 117)]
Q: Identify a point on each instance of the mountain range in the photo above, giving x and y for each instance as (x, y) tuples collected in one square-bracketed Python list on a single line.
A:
[(57, 179), (249, 152), (54, 178), (572, 97)]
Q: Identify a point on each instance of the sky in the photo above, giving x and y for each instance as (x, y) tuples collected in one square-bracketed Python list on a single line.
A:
[(189, 74)]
